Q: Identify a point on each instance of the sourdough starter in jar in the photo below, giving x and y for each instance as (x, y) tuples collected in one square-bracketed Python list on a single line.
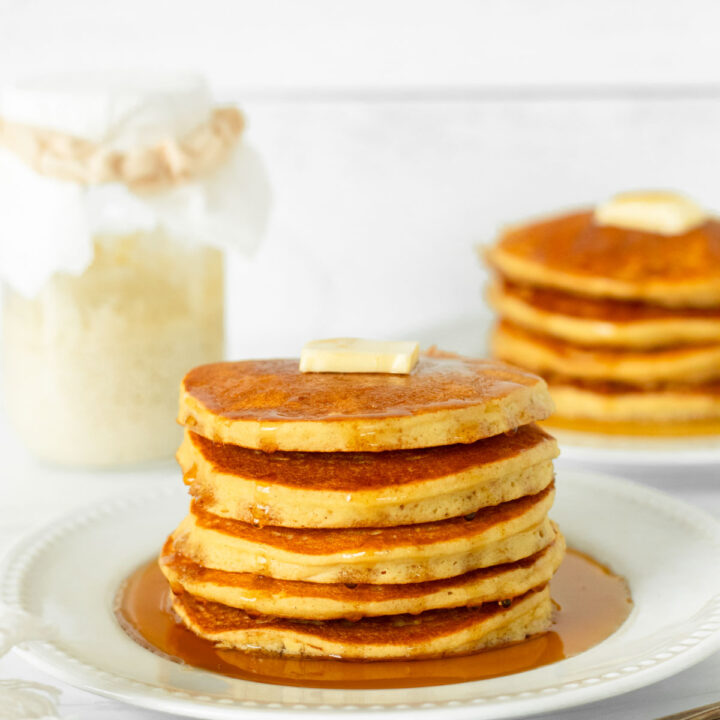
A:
[(103, 317)]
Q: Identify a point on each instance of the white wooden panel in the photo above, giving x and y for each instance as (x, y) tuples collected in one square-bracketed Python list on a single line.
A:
[(378, 206), (325, 44)]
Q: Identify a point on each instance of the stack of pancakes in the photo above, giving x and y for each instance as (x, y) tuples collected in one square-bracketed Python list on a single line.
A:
[(365, 516), (623, 324)]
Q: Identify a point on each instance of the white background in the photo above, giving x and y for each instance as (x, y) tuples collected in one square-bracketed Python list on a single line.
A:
[(398, 135)]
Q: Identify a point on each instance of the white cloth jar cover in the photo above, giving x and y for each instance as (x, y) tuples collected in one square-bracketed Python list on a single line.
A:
[(72, 150), (117, 196)]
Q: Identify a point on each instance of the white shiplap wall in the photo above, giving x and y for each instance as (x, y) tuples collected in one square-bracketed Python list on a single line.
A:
[(378, 204), (399, 133), (348, 44)]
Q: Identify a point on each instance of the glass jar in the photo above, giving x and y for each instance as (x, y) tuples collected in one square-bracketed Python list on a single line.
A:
[(92, 363), (121, 194)]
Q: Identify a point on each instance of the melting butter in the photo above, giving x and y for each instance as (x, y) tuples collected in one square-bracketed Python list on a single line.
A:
[(354, 355), (660, 212)]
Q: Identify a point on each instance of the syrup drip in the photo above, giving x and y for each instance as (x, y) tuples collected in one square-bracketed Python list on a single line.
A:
[(259, 509), (591, 604), (268, 438), (190, 474)]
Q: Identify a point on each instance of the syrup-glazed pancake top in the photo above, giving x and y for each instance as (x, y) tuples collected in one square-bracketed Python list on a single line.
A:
[(400, 487), (573, 253), (271, 405)]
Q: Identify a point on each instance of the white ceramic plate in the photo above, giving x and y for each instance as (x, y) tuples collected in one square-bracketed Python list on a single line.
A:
[(69, 572), (617, 450)]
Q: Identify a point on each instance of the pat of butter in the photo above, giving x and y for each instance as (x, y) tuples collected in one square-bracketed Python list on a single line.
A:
[(663, 213), (353, 355)]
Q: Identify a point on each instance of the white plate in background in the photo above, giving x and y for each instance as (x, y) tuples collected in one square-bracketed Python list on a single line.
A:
[(616, 450), (68, 573), (467, 335)]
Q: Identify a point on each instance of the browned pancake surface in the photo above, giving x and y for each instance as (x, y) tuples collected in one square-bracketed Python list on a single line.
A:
[(362, 592), (608, 354), (388, 629), (276, 391), (607, 387), (364, 470), (353, 540), (574, 244), (617, 311)]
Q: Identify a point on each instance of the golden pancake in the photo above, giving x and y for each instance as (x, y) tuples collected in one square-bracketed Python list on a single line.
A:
[(574, 254), (410, 553), (603, 322), (257, 594), (365, 516), (270, 405), (543, 354), (621, 402), (399, 487), (435, 633)]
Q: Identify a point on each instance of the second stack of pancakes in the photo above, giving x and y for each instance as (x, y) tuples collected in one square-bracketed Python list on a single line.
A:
[(365, 516), (623, 323)]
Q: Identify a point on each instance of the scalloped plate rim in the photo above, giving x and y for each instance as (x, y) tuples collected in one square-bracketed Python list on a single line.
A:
[(19, 560)]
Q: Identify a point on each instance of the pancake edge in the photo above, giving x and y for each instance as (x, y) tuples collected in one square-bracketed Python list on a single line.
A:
[(583, 331), (278, 600), (528, 615), (670, 294), (524, 405), (251, 501), (651, 405), (685, 363), (516, 539)]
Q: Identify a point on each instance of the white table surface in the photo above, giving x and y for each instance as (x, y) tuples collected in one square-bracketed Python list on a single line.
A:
[(31, 494)]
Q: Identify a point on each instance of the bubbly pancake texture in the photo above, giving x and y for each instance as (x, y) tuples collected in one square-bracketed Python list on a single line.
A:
[(686, 363), (573, 254), (270, 405), (410, 553), (601, 321), (435, 633), (350, 489), (258, 594)]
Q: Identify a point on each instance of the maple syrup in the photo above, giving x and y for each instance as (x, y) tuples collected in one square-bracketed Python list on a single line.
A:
[(190, 474), (591, 603)]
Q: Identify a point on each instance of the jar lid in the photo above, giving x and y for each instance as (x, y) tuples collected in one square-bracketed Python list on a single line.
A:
[(118, 110), (83, 156)]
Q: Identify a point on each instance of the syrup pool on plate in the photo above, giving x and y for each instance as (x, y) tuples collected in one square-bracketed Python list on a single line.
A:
[(591, 604)]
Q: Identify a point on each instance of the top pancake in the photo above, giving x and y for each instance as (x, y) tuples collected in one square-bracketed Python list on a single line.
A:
[(572, 253), (270, 405)]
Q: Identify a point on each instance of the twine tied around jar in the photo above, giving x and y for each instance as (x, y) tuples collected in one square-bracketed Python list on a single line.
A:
[(150, 169)]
